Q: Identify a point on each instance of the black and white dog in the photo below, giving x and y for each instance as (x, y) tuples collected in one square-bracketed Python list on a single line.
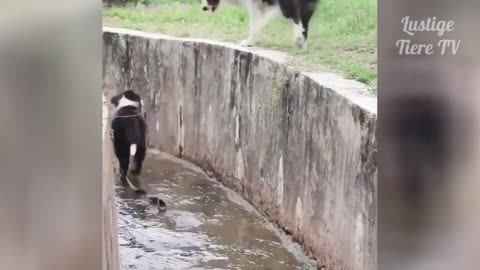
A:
[(129, 132), (262, 11), (129, 135)]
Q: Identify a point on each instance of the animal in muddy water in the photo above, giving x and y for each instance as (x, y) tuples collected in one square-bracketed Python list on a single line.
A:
[(260, 13), (129, 135)]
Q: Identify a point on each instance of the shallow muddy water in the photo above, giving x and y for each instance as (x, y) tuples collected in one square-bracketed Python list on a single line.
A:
[(206, 226)]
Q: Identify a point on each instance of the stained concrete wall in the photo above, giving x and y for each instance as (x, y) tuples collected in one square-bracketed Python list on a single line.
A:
[(109, 217), (300, 147)]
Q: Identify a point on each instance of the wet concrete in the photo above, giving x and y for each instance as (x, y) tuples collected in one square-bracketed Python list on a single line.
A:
[(206, 226)]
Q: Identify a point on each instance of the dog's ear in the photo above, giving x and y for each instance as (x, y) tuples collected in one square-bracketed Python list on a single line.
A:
[(115, 99)]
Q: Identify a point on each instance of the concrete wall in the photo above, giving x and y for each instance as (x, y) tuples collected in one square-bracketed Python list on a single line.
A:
[(300, 147), (109, 208)]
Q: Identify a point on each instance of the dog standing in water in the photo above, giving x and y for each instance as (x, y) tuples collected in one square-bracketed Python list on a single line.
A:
[(260, 12), (129, 135)]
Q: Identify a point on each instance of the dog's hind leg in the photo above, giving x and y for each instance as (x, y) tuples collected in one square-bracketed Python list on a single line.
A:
[(258, 19), (124, 164), (300, 28), (299, 35), (131, 178)]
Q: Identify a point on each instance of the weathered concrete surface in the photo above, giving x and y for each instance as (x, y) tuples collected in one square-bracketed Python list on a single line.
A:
[(109, 222), (297, 148)]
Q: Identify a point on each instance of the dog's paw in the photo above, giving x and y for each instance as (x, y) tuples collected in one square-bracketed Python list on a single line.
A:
[(247, 43), (301, 43), (299, 36), (141, 192)]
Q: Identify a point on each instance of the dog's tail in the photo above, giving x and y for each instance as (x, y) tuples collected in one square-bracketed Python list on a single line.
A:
[(133, 187), (133, 149)]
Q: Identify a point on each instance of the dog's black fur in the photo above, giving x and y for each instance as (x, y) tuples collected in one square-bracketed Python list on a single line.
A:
[(129, 127), (300, 11)]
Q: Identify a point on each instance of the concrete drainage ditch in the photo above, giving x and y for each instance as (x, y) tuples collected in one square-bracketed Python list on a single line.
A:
[(299, 147)]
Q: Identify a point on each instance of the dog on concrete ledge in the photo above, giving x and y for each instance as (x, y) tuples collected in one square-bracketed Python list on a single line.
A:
[(260, 12)]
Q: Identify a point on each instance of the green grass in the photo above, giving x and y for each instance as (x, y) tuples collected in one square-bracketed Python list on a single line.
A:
[(342, 35)]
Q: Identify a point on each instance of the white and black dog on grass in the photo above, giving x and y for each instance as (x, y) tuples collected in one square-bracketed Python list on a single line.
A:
[(262, 11)]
